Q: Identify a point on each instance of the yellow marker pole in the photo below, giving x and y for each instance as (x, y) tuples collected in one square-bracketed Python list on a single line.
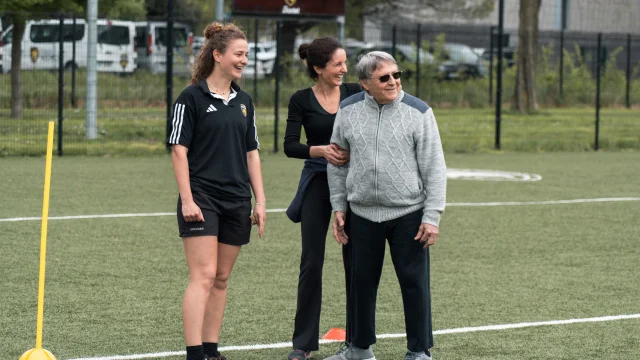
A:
[(39, 353), (43, 235)]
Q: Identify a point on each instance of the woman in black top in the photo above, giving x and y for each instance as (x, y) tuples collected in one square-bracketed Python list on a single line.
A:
[(216, 163), (314, 109)]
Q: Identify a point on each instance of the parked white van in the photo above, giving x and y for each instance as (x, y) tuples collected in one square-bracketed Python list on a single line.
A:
[(116, 46), (151, 45), (40, 45)]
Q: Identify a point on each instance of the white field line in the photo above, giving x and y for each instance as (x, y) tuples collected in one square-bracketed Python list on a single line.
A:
[(462, 204), (382, 336)]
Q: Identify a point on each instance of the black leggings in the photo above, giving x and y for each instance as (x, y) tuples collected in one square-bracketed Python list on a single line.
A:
[(315, 218)]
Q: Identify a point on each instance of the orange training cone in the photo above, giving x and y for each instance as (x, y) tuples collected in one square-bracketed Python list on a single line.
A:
[(335, 334)]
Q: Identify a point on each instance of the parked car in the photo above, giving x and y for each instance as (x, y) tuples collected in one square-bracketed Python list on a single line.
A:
[(40, 45), (266, 52), (354, 48), (151, 45), (198, 43), (250, 70), (404, 53), (508, 54), (460, 62)]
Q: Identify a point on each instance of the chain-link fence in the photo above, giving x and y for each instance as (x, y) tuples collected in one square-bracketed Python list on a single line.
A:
[(453, 67)]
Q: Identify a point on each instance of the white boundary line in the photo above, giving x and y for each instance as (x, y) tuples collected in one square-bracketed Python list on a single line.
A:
[(382, 336), (545, 202), (465, 204)]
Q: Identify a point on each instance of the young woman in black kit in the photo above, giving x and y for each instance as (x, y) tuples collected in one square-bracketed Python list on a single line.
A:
[(216, 164), (314, 109)]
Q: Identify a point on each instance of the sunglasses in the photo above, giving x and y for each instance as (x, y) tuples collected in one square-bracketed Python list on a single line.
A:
[(385, 78)]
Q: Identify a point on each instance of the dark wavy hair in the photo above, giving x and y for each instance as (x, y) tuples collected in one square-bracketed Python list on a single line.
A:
[(318, 53)]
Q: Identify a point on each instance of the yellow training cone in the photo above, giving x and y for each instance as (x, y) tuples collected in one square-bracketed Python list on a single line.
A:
[(37, 354)]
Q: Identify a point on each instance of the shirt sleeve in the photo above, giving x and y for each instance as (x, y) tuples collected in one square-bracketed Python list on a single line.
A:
[(252, 130), (337, 175), (433, 169), (183, 120), (292, 145)]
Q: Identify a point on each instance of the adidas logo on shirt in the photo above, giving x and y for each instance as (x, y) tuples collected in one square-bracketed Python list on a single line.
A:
[(211, 108)]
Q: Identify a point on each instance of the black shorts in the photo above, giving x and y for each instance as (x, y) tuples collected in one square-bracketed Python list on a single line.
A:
[(229, 220)]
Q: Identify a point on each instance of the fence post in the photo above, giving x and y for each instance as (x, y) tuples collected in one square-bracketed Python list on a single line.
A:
[(74, 62), (491, 47), (561, 75), (394, 29), (563, 26), (255, 63), (598, 71), (277, 92), (499, 75), (628, 95), (60, 80), (169, 67), (419, 47)]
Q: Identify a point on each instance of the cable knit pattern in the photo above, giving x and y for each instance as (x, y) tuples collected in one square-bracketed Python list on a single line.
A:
[(397, 165)]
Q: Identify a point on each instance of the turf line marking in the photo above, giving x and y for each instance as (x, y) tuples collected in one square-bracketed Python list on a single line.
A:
[(382, 336), (545, 202), (74, 217), (461, 204)]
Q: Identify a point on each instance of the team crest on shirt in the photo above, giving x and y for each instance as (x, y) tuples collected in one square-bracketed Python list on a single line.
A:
[(244, 109)]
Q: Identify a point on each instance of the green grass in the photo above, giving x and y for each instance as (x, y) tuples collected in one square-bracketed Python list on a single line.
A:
[(141, 131), (114, 286)]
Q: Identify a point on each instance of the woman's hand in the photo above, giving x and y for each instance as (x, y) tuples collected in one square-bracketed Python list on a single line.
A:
[(335, 155), (191, 212), (259, 217)]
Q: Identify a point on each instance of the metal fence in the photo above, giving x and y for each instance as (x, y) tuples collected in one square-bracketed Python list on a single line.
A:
[(587, 83)]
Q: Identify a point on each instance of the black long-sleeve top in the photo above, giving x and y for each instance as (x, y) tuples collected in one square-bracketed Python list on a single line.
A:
[(305, 111)]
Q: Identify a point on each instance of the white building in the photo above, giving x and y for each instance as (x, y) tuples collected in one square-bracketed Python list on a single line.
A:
[(607, 16)]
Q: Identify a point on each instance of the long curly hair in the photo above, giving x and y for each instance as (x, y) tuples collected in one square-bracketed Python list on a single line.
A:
[(217, 37)]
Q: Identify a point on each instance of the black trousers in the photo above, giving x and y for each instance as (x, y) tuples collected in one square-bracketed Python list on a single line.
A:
[(315, 218), (411, 263)]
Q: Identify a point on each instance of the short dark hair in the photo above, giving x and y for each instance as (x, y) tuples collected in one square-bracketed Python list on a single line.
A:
[(318, 53)]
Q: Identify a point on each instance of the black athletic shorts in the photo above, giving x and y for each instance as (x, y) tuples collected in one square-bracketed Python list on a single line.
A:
[(229, 220)]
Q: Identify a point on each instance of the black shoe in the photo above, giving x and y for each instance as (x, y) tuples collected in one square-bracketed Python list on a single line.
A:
[(298, 354)]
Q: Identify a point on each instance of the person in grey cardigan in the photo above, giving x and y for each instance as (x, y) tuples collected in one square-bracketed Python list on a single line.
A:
[(395, 184)]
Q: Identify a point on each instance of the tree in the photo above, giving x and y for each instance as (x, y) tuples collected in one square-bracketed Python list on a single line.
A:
[(524, 96), (122, 9), (195, 13), (18, 13)]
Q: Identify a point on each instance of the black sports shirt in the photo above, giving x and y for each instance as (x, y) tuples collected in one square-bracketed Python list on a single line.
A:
[(305, 111), (218, 135)]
